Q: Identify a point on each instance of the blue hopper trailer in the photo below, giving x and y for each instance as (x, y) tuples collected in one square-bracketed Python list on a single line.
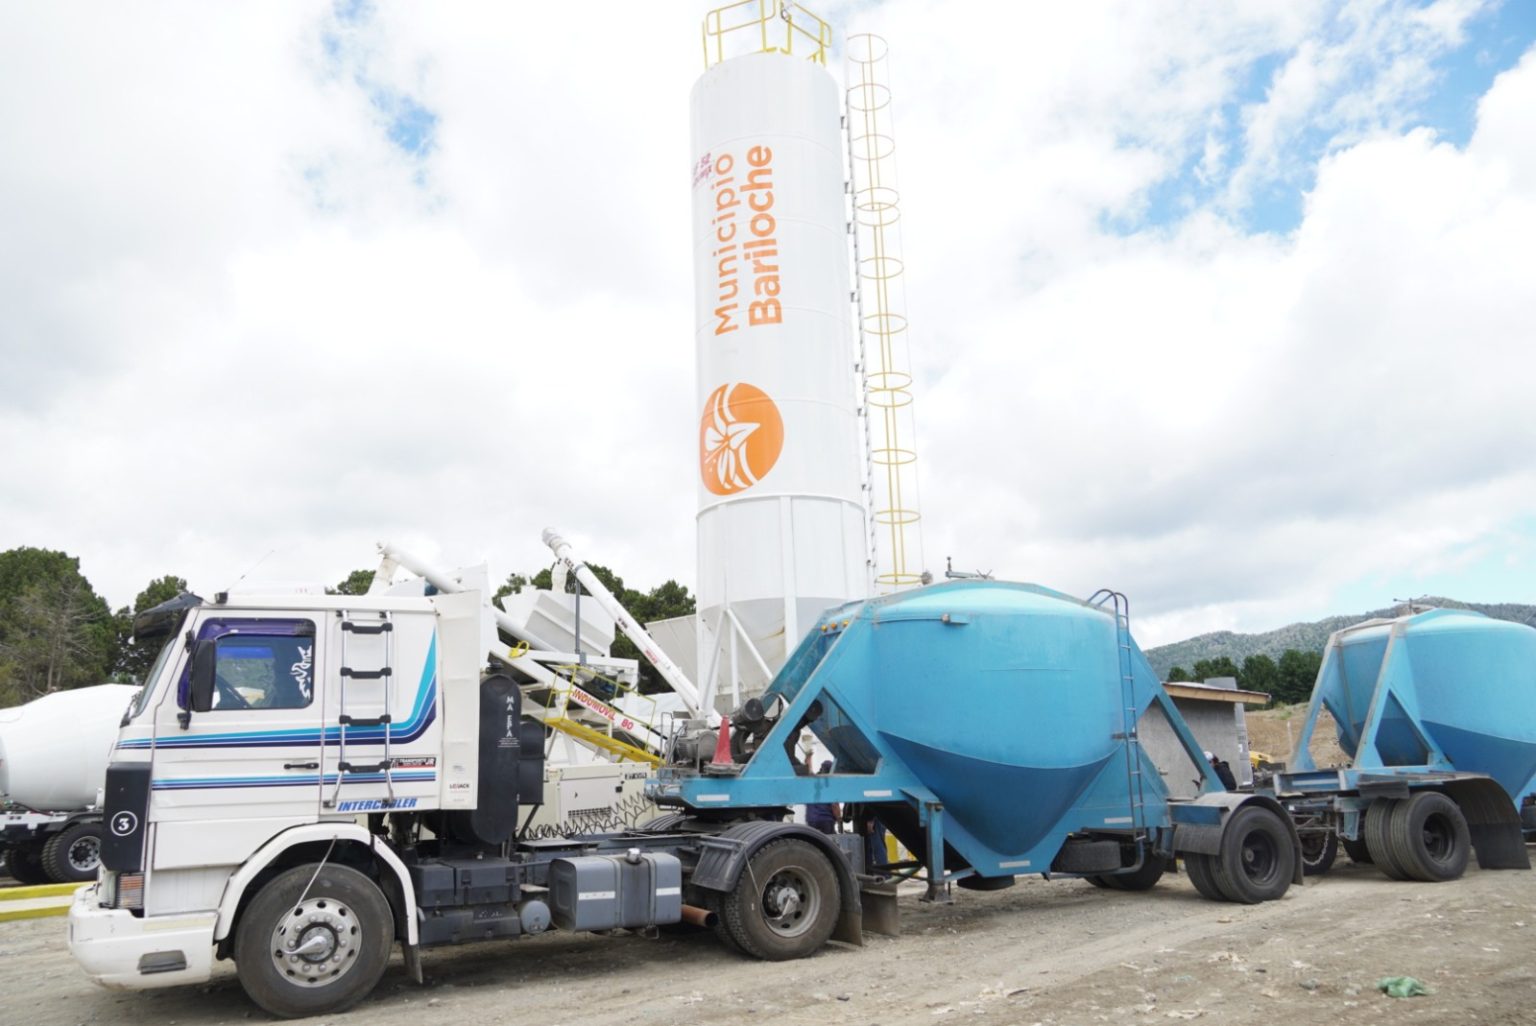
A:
[(993, 728), (1437, 714)]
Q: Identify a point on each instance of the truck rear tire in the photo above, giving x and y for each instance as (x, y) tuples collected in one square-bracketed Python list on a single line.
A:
[(1198, 868), (25, 862), (313, 948), (786, 903), (1378, 837), (1430, 839), (73, 854), (1256, 859), (1355, 848)]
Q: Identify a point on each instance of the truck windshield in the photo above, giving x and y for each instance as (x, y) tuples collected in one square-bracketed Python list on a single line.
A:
[(142, 699)]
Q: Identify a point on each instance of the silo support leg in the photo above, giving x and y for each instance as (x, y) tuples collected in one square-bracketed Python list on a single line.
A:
[(933, 821)]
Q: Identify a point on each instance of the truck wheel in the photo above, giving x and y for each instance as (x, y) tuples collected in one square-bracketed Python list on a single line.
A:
[(1256, 859), (1355, 848), (1318, 852), (1430, 839), (307, 948), (25, 861), (73, 854), (1198, 868), (1378, 837), (786, 903)]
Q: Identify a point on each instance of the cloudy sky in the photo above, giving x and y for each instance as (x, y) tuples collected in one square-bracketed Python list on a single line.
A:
[(1227, 305)]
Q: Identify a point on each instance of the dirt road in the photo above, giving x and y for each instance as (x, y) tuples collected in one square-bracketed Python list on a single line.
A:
[(1054, 953)]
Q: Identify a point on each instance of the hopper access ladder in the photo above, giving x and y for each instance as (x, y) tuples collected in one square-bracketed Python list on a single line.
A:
[(1117, 605)]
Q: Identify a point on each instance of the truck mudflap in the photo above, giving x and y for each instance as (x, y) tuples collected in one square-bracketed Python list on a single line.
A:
[(1492, 821), (723, 857), (118, 949), (1198, 824)]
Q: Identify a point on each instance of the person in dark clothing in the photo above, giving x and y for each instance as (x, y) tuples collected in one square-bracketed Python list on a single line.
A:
[(1223, 771), (824, 816)]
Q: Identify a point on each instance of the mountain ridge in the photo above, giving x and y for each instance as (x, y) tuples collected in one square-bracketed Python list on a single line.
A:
[(1308, 636)]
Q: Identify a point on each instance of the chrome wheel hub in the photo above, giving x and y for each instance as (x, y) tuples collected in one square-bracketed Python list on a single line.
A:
[(316, 942)]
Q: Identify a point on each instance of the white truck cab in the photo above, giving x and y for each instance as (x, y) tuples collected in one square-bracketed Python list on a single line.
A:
[(272, 723)]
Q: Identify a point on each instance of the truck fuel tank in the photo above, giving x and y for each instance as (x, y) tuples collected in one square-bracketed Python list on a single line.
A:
[(607, 892)]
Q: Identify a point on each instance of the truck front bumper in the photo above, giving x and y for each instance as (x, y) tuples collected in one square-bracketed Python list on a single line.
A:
[(118, 949)]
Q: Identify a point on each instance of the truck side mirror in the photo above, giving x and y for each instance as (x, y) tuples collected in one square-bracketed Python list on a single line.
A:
[(203, 661)]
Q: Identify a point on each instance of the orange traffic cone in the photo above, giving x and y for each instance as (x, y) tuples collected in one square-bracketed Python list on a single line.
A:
[(723, 745)]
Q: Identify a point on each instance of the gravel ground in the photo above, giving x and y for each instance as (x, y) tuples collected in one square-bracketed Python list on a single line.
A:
[(1055, 953)]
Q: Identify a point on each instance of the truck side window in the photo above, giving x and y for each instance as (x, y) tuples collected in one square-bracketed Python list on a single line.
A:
[(254, 671)]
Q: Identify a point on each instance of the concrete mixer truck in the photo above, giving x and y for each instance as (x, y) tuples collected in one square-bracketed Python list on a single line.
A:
[(53, 761), (308, 780)]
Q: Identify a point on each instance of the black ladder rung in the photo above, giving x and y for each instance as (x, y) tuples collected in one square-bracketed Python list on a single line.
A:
[(361, 767), (367, 628), (364, 721), (347, 671)]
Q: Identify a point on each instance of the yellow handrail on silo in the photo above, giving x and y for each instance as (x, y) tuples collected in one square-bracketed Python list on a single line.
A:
[(733, 21), (882, 320)]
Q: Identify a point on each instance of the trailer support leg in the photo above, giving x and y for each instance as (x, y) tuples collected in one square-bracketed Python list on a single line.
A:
[(932, 814)]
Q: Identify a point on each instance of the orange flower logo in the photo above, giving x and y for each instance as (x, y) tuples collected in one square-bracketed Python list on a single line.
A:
[(740, 438)]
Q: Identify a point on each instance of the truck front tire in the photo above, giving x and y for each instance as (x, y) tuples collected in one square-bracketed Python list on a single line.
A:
[(314, 941), (73, 854)]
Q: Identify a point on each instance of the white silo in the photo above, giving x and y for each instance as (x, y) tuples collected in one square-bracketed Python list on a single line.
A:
[(781, 521)]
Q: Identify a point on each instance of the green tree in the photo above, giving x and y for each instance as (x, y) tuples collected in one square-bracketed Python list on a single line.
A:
[(55, 631), (133, 661), (1297, 674), (1222, 666), (1177, 674), (1259, 673), (356, 583)]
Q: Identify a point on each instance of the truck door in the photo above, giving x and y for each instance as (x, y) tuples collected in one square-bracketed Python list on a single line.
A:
[(380, 713), (226, 779)]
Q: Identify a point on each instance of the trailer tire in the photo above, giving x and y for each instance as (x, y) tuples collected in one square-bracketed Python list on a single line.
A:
[(1378, 837), (1318, 852), (785, 905), (1355, 848), (1256, 859), (1198, 868), (25, 862), (1430, 838), (73, 854), (338, 912)]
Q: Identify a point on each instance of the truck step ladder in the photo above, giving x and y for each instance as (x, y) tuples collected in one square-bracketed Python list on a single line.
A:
[(384, 630)]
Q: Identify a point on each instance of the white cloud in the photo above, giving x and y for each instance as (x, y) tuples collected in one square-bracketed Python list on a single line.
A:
[(235, 318)]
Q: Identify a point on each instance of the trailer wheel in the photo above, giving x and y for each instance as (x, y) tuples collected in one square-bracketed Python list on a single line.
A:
[(1430, 838), (786, 903), (1319, 849), (73, 854), (1355, 848), (1198, 868), (25, 862), (313, 941), (1378, 837), (1256, 859)]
